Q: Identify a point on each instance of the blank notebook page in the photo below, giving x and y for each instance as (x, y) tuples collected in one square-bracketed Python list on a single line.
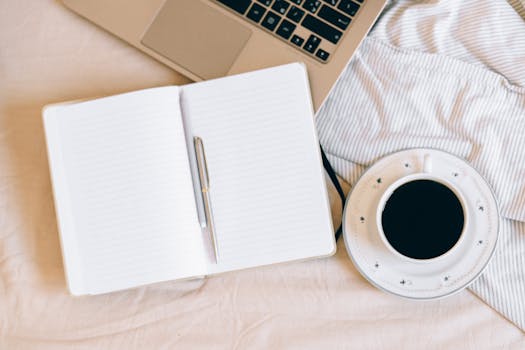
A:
[(123, 191), (266, 182)]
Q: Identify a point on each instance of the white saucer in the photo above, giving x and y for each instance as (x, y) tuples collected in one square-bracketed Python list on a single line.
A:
[(420, 279)]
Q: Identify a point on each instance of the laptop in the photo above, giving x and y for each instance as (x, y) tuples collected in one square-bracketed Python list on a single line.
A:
[(205, 39)]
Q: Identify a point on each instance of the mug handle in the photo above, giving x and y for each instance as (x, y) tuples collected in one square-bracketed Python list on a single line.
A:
[(427, 164)]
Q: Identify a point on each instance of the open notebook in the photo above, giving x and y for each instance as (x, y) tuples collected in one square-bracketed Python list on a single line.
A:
[(127, 190)]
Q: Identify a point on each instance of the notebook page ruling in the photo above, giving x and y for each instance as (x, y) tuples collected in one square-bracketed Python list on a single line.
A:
[(266, 182), (123, 191)]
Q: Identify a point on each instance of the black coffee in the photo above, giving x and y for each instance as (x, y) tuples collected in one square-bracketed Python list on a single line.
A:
[(422, 219)]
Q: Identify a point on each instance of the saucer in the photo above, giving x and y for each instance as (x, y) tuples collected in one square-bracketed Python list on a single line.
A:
[(420, 279)]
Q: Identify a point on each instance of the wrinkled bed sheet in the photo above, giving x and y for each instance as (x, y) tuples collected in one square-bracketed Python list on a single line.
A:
[(48, 55)]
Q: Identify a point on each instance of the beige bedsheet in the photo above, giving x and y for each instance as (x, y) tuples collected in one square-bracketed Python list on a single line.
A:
[(48, 55)]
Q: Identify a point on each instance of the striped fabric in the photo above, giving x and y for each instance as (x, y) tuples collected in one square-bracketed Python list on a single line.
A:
[(447, 75)]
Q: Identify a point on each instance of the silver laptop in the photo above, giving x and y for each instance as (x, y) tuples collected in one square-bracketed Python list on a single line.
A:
[(206, 39)]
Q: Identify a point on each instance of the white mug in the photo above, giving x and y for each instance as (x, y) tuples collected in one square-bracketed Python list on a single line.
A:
[(425, 175)]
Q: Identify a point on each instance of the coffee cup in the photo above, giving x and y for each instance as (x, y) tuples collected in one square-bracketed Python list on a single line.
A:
[(421, 223), (422, 217)]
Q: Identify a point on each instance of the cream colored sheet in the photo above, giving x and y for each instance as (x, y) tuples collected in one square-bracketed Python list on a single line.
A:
[(48, 55)]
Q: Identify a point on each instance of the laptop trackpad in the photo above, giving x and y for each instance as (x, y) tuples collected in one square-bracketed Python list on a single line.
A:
[(197, 37)]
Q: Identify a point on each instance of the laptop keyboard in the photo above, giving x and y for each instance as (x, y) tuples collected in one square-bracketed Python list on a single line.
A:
[(313, 26)]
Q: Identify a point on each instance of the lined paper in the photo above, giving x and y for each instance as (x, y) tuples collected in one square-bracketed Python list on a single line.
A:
[(266, 184), (123, 188)]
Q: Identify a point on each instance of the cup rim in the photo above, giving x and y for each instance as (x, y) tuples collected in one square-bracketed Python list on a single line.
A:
[(404, 180)]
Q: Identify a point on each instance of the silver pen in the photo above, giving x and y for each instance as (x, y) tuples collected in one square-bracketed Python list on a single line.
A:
[(204, 180)]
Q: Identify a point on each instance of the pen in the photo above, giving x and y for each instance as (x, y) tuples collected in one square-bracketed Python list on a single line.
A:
[(205, 187)]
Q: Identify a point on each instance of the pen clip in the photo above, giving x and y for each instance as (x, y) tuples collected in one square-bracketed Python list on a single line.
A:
[(202, 165)]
